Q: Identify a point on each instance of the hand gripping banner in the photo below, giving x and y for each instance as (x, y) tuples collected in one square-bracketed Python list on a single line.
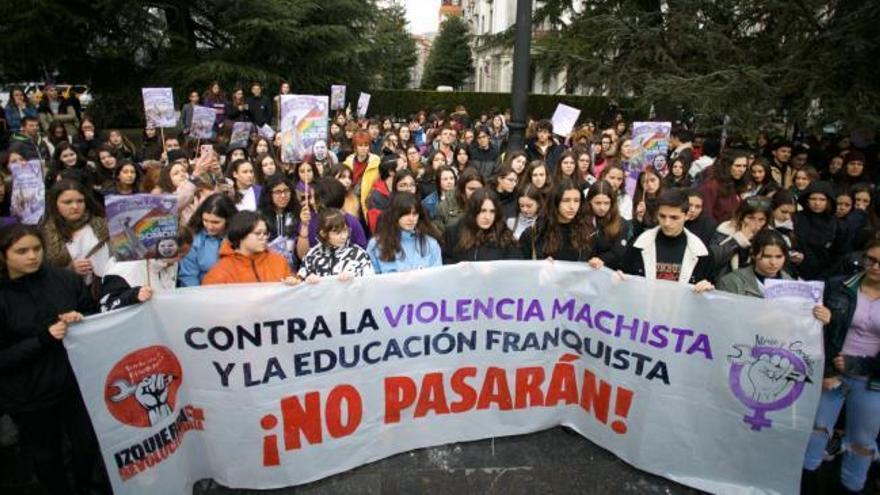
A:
[(263, 386)]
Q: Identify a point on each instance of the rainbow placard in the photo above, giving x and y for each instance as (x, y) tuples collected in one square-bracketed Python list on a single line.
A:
[(650, 143), (304, 120), (142, 226)]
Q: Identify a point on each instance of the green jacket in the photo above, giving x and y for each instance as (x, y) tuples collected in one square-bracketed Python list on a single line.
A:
[(744, 282)]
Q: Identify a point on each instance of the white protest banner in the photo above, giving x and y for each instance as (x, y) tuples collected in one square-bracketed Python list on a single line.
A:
[(363, 105), (564, 119), (142, 226), (264, 386), (650, 143), (159, 107), (28, 199), (202, 126), (304, 120), (267, 132), (337, 97), (796, 290)]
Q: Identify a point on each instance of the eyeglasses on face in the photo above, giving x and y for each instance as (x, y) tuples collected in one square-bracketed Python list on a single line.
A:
[(870, 261)]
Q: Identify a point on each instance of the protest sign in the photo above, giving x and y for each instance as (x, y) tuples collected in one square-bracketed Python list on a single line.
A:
[(304, 120), (241, 134), (159, 107), (337, 97), (650, 143), (142, 226), (796, 290), (258, 386), (267, 132), (202, 126), (564, 119), (27, 201), (363, 105)]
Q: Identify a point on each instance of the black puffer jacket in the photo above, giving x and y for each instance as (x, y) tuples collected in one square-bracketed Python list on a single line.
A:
[(819, 236), (486, 252), (34, 370)]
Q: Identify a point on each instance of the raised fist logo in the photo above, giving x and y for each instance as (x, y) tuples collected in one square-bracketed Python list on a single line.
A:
[(151, 393), (141, 390), (766, 378), (769, 377)]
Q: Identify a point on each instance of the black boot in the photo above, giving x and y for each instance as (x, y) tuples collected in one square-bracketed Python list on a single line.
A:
[(809, 482)]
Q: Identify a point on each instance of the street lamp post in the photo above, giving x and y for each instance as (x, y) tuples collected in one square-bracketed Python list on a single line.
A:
[(521, 62)]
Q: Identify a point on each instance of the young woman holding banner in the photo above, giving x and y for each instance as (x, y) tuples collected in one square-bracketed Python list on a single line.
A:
[(405, 238), (245, 255), (482, 234), (852, 371), (209, 226), (564, 231), (611, 231), (75, 230), (38, 304)]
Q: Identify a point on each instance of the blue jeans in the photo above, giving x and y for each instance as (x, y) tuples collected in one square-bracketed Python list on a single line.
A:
[(862, 427)]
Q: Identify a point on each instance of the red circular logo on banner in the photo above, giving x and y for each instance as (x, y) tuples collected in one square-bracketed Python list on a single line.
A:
[(141, 390)]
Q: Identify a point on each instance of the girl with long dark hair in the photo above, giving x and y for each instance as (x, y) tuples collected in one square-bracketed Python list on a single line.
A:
[(564, 231), (611, 230), (405, 238), (481, 235), (38, 305), (208, 224)]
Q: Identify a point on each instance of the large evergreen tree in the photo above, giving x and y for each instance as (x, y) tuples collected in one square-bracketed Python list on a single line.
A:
[(450, 62), (807, 62), (118, 44), (394, 48)]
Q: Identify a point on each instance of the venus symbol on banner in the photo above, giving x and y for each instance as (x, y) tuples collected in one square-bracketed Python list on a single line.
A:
[(774, 379)]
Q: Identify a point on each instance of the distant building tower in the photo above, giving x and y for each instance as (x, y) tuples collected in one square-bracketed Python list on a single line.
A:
[(450, 8)]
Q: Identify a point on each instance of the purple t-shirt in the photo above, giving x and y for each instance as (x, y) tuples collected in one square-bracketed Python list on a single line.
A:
[(357, 235), (863, 337)]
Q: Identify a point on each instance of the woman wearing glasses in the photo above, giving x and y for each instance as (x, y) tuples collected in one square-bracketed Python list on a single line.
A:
[(505, 187), (852, 373), (245, 256)]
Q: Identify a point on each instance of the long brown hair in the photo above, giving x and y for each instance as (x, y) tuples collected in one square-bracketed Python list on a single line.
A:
[(388, 229), (471, 235), (469, 174), (550, 228), (611, 224), (64, 228)]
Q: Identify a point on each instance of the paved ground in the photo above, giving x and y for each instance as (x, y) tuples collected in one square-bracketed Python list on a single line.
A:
[(548, 462)]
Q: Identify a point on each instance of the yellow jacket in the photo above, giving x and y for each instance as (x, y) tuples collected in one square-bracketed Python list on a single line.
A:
[(371, 173)]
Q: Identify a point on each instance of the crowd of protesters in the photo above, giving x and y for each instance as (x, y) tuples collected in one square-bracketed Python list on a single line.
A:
[(381, 195)]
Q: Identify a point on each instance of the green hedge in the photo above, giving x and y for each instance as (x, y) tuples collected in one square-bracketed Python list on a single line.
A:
[(402, 103), (125, 110)]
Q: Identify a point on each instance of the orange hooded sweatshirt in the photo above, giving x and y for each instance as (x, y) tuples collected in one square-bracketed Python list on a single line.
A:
[(237, 268)]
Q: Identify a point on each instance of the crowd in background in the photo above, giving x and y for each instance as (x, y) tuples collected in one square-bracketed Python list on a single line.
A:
[(385, 194)]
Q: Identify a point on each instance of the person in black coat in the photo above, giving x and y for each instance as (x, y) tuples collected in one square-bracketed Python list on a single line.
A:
[(563, 231), (482, 233), (612, 231), (699, 222), (38, 304), (484, 155), (818, 234), (259, 105)]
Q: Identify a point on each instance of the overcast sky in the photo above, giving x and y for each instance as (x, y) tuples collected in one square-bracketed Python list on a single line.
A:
[(422, 15)]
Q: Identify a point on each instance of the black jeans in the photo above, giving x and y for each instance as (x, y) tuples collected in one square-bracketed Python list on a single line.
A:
[(41, 437)]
